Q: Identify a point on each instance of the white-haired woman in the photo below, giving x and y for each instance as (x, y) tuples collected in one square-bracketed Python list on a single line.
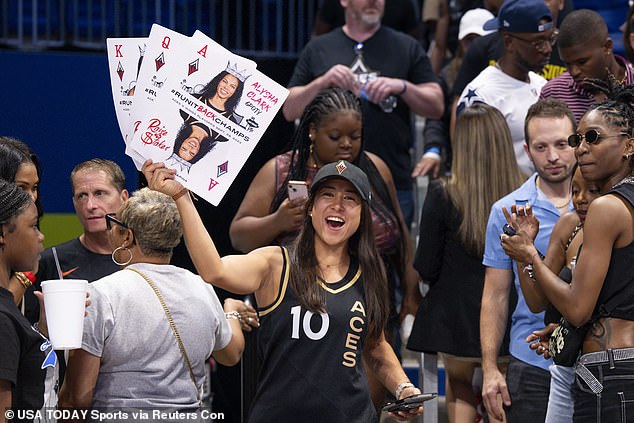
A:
[(154, 325)]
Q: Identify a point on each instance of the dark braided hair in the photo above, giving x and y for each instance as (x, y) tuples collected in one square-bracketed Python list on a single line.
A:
[(617, 108), (326, 103), (13, 201)]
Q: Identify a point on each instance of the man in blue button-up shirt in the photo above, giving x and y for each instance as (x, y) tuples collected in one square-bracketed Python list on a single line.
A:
[(525, 389)]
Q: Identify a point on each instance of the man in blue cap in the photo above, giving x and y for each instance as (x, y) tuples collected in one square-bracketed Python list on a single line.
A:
[(512, 85)]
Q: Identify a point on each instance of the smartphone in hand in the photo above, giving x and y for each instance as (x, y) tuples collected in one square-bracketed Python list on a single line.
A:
[(509, 230), (408, 403), (297, 189)]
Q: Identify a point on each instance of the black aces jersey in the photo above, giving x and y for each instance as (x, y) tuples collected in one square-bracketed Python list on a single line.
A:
[(311, 363)]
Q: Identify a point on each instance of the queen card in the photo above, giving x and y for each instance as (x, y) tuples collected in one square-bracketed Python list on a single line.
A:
[(156, 68), (212, 111)]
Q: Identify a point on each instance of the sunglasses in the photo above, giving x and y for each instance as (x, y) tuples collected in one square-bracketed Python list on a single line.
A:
[(592, 136), (541, 45), (110, 218)]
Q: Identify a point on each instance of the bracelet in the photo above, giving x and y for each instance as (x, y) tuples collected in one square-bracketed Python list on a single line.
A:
[(401, 387), (233, 315), (531, 273), (24, 280), (404, 88), (528, 268), (180, 193)]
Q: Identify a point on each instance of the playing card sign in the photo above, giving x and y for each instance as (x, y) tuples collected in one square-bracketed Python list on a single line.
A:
[(125, 56), (201, 111)]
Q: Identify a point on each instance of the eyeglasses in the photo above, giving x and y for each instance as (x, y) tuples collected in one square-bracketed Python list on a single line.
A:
[(592, 136), (110, 217), (541, 45)]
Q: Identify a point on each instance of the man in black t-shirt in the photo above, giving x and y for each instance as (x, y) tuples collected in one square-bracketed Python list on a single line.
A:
[(400, 15), (405, 74), (98, 188)]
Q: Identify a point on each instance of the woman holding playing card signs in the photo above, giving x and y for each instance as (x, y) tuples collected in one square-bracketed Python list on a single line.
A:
[(321, 302)]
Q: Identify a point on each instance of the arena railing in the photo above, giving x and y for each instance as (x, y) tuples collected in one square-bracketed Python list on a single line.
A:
[(255, 28)]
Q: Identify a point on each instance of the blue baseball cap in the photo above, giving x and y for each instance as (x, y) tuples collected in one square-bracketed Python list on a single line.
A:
[(521, 16)]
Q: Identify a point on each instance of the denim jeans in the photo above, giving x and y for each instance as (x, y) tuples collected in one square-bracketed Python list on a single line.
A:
[(529, 387), (406, 202), (561, 396), (609, 397)]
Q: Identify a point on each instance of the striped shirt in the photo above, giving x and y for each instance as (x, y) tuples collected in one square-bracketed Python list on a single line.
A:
[(579, 100)]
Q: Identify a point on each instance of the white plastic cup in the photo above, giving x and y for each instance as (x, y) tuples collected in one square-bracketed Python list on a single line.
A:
[(65, 304)]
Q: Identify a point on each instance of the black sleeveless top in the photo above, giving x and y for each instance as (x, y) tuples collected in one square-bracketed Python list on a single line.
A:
[(312, 369), (616, 298)]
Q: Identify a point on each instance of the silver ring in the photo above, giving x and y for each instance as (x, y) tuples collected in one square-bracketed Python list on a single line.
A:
[(248, 319)]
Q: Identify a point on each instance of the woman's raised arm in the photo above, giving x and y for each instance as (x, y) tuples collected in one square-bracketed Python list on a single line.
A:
[(242, 274)]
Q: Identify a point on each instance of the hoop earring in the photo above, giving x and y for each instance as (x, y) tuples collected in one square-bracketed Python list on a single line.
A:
[(122, 248)]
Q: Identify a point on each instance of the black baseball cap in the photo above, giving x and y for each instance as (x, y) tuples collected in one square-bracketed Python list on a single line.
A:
[(344, 170)]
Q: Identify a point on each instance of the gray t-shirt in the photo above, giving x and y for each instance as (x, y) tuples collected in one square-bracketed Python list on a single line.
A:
[(141, 364)]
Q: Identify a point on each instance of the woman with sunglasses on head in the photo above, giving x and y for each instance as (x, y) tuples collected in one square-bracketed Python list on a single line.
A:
[(321, 302), (601, 292), (154, 325)]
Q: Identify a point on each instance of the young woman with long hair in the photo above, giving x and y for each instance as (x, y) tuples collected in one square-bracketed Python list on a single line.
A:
[(450, 248), (321, 302)]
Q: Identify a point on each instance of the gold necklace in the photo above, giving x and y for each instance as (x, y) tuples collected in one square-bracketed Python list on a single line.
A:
[(614, 79), (564, 204), (328, 266)]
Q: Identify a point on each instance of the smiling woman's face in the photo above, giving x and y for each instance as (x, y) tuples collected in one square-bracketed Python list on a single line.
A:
[(336, 212), (191, 145), (227, 87)]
